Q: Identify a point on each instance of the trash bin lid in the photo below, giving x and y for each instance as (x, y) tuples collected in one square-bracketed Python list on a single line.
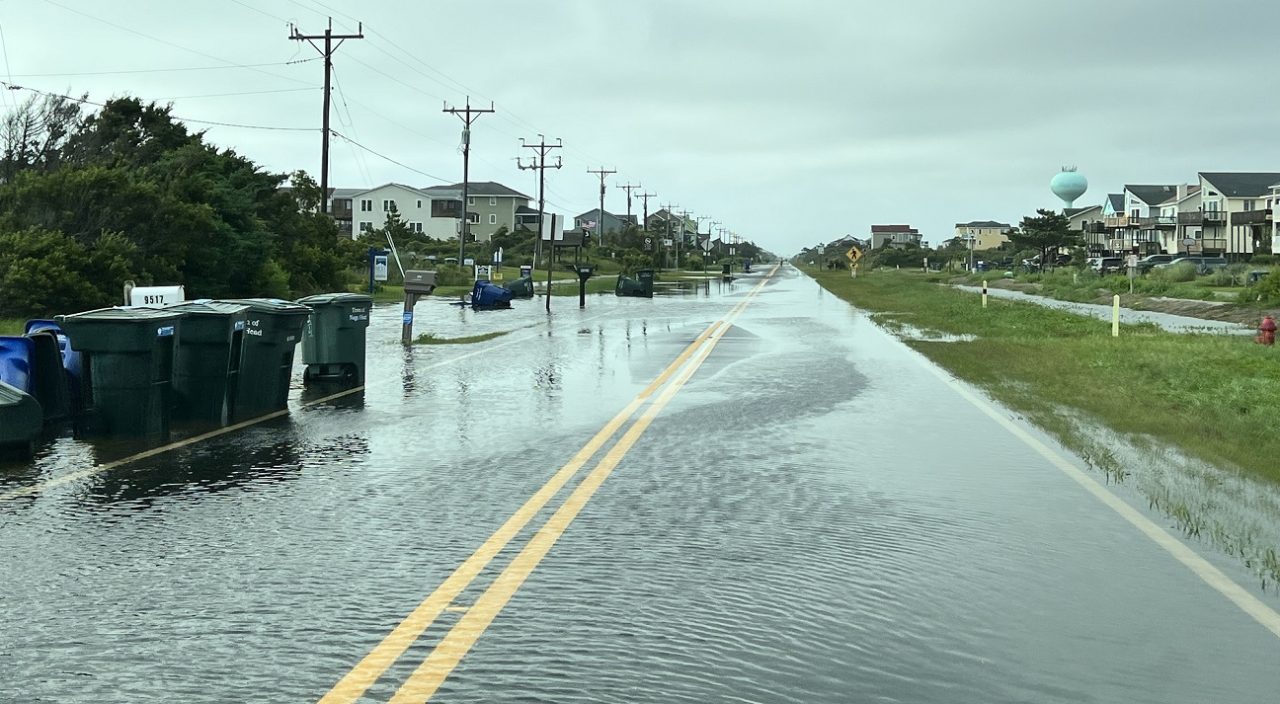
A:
[(270, 305), (206, 307), (123, 314), (328, 299)]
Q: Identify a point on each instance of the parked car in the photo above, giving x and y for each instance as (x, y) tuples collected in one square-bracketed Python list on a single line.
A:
[(1146, 263), (1203, 265), (1106, 265)]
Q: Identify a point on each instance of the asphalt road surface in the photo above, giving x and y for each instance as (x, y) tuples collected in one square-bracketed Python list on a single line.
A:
[(736, 492)]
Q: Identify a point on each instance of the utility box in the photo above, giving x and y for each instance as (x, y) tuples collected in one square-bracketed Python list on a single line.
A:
[(333, 341), (726, 271), (526, 271), (206, 367), (422, 283), (128, 357), (272, 330)]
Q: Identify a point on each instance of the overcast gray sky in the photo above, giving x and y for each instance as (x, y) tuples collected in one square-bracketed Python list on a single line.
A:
[(792, 122)]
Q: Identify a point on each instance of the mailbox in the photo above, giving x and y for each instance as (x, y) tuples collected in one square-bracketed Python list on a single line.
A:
[(584, 273), (419, 282)]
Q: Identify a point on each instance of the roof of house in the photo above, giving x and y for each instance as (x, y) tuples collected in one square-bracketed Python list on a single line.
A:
[(595, 212), (1242, 185), (1152, 195), (1193, 190), (346, 192), (526, 210), (353, 192), (982, 223), (1072, 212), (476, 188), (1117, 201), (894, 228)]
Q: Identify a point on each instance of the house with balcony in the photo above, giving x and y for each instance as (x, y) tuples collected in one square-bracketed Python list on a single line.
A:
[(340, 208), (1083, 221), (607, 224), (490, 206), (1275, 222), (983, 234), (1235, 216), (898, 236), (367, 209)]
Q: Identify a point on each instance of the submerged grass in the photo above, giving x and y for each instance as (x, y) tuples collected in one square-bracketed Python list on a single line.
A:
[(1214, 396), (429, 339)]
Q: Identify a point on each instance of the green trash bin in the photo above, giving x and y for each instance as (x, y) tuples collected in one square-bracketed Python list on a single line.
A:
[(272, 330), (645, 277), (206, 366), (128, 371), (21, 419), (333, 341)]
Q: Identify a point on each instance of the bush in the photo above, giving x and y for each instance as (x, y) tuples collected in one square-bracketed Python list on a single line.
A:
[(1180, 274), (1264, 260)]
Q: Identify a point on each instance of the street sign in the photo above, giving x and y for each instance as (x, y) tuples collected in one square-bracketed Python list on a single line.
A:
[(483, 272), (667, 242), (706, 245), (380, 267)]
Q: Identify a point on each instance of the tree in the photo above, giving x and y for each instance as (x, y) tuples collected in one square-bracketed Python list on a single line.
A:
[(1045, 232)]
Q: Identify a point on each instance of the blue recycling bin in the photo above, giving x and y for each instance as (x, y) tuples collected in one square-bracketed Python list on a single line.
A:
[(32, 364), (488, 295), (72, 360), (15, 362)]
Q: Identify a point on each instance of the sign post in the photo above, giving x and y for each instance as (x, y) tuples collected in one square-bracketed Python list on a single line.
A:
[(377, 267)]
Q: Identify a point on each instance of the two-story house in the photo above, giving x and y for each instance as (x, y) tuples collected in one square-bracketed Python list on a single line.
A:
[(1234, 213), (983, 234), (1088, 221), (1275, 222), (370, 207), (610, 223), (490, 207), (894, 236)]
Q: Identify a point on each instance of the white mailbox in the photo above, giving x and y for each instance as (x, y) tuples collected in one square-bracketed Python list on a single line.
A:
[(156, 295)]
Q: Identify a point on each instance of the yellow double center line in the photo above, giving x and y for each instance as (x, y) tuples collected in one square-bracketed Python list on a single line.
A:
[(424, 681)]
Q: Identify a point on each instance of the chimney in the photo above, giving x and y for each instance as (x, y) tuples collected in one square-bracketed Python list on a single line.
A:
[(1182, 191)]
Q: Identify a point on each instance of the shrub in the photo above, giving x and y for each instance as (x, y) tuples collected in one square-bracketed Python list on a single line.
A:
[(1179, 274), (1264, 260)]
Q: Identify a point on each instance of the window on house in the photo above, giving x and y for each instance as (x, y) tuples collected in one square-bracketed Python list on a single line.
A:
[(366, 226), (1134, 213), (389, 205), (1248, 205), (415, 227), (366, 206), (473, 218), (493, 200), (493, 219), (471, 200), (419, 205)]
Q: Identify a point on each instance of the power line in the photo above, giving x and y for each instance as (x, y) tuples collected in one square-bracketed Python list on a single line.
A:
[(350, 122), (8, 71), (162, 70), (384, 157), (327, 53), (86, 101), (166, 42), (228, 95)]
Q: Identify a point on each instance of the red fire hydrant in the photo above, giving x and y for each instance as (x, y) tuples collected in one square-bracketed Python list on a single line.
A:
[(1267, 330)]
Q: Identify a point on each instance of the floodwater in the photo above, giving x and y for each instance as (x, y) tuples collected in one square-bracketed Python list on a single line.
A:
[(814, 517), (1167, 321)]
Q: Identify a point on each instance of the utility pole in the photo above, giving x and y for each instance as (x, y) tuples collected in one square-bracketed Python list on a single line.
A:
[(542, 149), (629, 188), (684, 219), (670, 208), (602, 172), (645, 197), (468, 115), (327, 53)]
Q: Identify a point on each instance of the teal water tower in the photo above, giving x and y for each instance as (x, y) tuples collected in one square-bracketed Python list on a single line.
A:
[(1069, 185)]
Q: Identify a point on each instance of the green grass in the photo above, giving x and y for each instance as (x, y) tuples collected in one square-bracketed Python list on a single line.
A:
[(12, 326), (1216, 397), (429, 339), (596, 284)]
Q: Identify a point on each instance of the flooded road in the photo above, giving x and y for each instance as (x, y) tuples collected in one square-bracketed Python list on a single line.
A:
[(746, 492)]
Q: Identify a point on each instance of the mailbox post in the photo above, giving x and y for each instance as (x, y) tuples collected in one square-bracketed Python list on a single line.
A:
[(584, 273), (416, 283)]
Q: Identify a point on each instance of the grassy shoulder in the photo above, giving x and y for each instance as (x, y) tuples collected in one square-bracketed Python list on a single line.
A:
[(429, 339), (1213, 396), (12, 326)]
